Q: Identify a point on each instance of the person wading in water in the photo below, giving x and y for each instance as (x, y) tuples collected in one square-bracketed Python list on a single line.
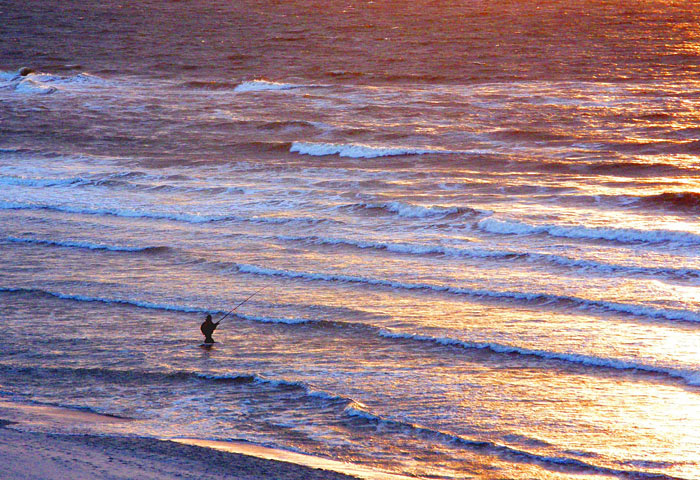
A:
[(208, 328)]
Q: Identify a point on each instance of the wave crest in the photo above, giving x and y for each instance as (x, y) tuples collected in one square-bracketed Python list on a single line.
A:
[(539, 297), (154, 306), (45, 83), (87, 245), (408, 210), (357, 150), (392, 425), (689, 377), (508, 255), (264, 85), (622, 235), (177, 217)]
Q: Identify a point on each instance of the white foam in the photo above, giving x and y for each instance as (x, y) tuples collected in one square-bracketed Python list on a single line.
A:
[(357, 150), (309, 390), (638, 310), (624, 235), (7, 76), (356, 410), (87, 298), (85, 245), (44, 83), (39, 182), (408, 248), (359, 411), (157, 306), (609, 268), (79, 79), (174, 216), (423, 249), (689, 377), (29, 86), (182, 217), (286, 321), (408, 210), (263, 85)]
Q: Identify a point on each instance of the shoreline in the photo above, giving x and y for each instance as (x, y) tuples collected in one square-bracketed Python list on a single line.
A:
[(52, 456), (32, 449)]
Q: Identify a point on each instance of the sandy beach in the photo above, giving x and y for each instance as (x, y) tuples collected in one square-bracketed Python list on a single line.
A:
[(35, 455), (49, 456)]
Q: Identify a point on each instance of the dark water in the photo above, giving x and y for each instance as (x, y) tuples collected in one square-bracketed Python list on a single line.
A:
[(473, 227)]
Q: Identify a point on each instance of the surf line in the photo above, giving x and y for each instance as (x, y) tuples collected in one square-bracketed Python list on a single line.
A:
[(624, 308)]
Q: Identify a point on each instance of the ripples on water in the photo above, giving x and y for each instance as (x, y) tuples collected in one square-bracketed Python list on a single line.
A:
[(477, 260)]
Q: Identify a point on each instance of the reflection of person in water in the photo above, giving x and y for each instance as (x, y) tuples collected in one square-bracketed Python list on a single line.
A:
[(208, 328)]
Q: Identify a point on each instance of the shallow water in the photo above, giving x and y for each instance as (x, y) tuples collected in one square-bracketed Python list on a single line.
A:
[(491, 274)]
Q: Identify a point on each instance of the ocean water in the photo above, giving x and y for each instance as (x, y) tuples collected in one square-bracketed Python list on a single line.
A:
[(471, 228)]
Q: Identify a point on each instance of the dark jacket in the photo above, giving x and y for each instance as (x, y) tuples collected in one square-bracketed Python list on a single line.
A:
[(207, 329)]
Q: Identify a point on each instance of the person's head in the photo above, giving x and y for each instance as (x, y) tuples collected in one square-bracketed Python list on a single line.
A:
[(208, 318)]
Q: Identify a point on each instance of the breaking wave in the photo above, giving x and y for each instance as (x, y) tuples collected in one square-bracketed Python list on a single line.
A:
[(29, 86), (86, 245), (544, 298), (408, 210), (264, 85), (689, 377), (154, 306), (39, 182), (407, 248), (386, 425), (121, 181), (45, 83), (79, 79), (423, 249), (622, 235), (307, 389), (178, 217), (354, 413), (356, 150), (111, 301)]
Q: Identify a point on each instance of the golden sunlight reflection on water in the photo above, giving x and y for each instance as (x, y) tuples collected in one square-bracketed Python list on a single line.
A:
[(617, 419)]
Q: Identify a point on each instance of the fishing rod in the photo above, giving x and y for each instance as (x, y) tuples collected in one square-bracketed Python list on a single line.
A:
[(236, 307)]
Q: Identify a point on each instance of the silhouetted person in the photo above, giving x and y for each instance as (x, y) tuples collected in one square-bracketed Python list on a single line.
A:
[(208, 328)]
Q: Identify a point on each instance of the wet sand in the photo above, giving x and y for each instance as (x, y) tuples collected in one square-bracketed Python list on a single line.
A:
[(38, 456), (28, 451)]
